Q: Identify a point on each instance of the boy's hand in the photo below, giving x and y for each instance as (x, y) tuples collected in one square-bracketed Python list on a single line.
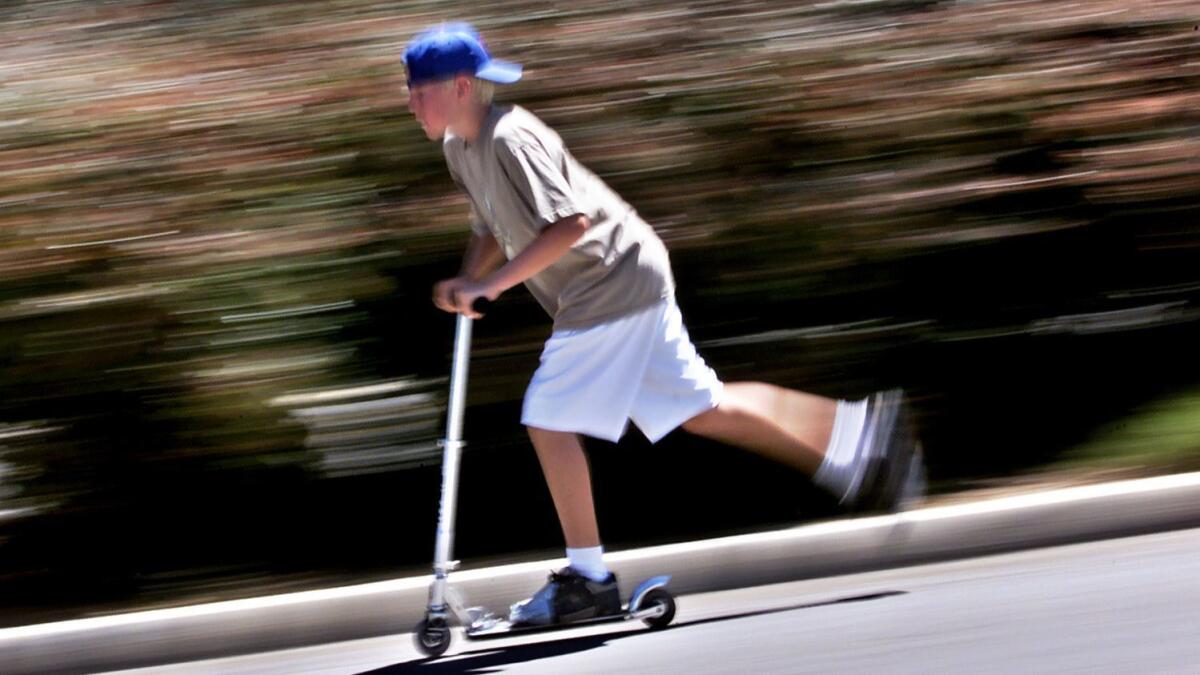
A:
[(456, 295), (444, 292)]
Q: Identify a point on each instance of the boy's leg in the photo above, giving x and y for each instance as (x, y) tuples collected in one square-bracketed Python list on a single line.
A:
[(787, 426), (864, 452), (565, 466), (586, 588), (582, 383)]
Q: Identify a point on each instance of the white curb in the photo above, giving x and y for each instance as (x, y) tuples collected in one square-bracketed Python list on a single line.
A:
[(824, 549)]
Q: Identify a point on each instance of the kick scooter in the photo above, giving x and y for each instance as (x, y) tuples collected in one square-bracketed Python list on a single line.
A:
[(650, 602)]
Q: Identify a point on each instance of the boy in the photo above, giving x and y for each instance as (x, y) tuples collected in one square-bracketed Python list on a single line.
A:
[(619, 349)]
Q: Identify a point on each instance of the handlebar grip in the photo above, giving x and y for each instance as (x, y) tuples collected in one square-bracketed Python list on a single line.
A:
[(481, 305)]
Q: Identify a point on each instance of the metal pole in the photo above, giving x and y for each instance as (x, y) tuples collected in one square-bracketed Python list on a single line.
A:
[(452, 452)]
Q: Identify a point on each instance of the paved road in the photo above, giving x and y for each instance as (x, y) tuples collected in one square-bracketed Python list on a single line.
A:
[(1119, 606)]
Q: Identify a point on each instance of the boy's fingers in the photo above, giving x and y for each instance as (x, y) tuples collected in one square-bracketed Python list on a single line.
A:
[(445, 297), (457, 301), (441, 302), (463, 304)]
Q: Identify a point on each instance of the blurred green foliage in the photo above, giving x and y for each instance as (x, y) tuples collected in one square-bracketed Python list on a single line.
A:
[(1162, 432), (219, 225)]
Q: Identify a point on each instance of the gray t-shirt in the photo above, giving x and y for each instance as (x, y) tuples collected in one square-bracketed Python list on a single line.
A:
[(520, 178)]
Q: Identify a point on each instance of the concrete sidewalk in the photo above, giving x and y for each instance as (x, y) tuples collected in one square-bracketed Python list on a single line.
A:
[(826, 549)]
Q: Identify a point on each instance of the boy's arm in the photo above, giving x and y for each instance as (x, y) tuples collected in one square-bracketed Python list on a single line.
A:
[(483, 255), (551, 244)]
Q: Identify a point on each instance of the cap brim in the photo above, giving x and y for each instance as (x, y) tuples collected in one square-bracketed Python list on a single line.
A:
[(501, 72)]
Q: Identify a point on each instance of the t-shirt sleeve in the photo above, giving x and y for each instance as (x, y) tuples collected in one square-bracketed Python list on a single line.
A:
[(539, 180)]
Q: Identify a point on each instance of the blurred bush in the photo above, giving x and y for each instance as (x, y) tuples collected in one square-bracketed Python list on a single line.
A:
[(219, 227)]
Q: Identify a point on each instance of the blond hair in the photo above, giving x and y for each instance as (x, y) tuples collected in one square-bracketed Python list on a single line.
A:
[(482, 91)]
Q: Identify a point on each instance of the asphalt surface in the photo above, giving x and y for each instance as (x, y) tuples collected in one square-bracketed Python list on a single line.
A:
[(319, 618), (1117, 606)]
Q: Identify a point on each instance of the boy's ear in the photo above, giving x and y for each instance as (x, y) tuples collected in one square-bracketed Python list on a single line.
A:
[(462, 86)]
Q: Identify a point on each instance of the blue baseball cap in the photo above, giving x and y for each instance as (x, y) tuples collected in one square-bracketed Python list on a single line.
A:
[(449, 49)]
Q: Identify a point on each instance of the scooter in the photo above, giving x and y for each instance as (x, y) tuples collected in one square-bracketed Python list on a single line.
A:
[(650, 602)]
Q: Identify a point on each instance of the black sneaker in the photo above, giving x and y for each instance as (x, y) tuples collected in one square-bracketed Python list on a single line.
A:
[(568, 596), (894, 473)]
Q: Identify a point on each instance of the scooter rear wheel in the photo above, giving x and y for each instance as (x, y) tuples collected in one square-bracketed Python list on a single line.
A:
[(432, 637), (659, 596)]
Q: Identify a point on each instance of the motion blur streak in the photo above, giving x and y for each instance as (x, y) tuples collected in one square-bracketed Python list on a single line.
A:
[(220, 372)]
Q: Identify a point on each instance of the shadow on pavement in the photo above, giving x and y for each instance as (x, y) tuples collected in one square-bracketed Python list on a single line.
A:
[(775, 610), (486, 660)]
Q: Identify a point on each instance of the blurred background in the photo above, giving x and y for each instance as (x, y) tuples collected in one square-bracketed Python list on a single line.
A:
[(220, 373)]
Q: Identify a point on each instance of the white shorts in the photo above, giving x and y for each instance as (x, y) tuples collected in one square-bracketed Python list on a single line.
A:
[(642, 367)]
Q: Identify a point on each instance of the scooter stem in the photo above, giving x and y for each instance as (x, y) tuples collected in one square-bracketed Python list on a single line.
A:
[(451, 454)]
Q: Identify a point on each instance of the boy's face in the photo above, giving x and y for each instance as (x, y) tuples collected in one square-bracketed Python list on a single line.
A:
[(435, 105)]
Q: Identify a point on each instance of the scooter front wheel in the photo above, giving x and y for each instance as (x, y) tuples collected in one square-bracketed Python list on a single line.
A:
[(432, 637)]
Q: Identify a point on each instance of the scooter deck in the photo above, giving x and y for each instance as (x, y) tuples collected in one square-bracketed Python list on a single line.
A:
[(503, 628)]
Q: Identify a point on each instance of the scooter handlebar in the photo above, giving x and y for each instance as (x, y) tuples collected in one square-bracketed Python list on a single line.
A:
[(481, 305)]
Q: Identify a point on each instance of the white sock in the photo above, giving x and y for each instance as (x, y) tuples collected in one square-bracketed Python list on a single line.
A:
[(840, 471), (589, 562)]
